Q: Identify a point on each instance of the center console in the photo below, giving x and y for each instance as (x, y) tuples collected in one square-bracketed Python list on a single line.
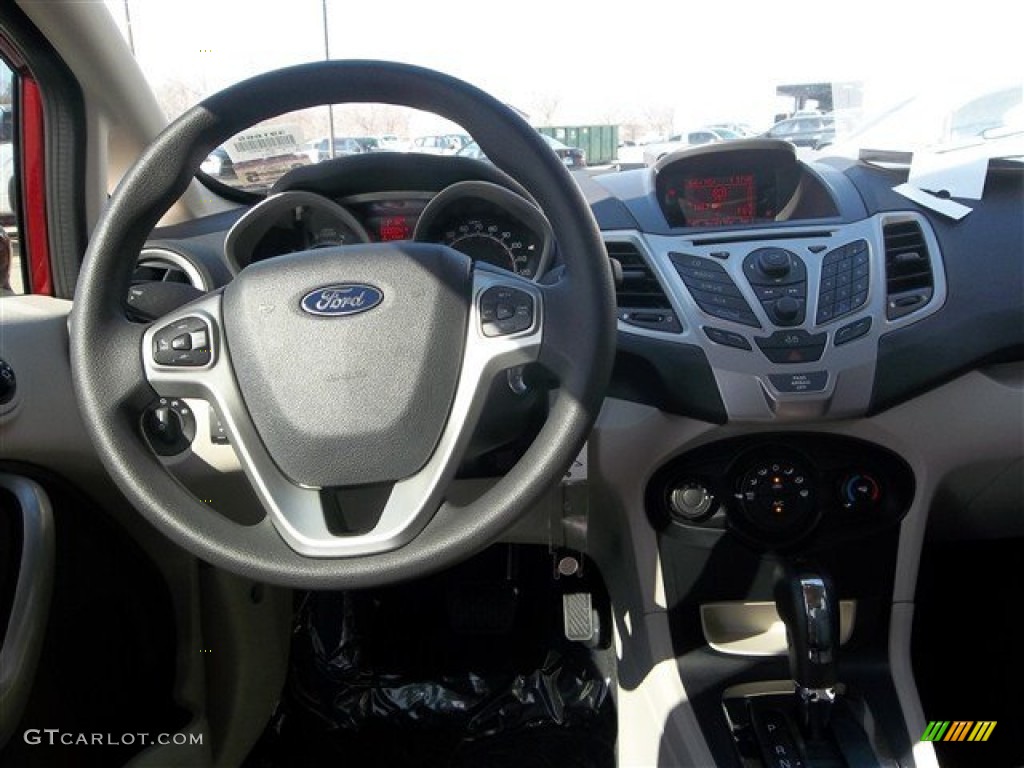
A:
[(778, 274), (778, 552)]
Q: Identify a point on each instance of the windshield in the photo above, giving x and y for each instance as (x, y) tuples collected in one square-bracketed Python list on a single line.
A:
[(834, 78)]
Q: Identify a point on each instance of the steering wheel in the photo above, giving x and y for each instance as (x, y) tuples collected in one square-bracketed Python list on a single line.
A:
[(345, 377)]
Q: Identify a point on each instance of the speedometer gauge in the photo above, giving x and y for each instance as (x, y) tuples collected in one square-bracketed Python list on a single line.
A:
[(496, 241), (490, 224)]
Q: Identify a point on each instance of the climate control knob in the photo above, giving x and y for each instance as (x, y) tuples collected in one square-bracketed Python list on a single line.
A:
[(690, 501), (860, 490)]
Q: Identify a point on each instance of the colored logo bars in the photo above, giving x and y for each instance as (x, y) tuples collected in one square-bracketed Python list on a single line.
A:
[(958, 730)]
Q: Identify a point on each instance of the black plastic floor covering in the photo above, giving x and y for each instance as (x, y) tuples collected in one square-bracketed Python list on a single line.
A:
[(468, 668), (966, 647)]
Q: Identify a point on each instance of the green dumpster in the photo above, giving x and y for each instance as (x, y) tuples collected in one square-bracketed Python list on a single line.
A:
[(600, 142)]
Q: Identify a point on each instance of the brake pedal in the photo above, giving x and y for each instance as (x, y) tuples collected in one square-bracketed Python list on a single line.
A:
[(578, 617)]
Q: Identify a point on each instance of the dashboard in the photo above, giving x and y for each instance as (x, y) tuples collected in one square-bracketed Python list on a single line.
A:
[(752, 286)]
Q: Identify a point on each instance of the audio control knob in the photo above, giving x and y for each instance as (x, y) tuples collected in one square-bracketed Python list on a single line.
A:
[(773, 262), (787, 310), (690, 501)]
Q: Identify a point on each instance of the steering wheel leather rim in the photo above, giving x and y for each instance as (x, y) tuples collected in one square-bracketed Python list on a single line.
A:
[(579, 324)]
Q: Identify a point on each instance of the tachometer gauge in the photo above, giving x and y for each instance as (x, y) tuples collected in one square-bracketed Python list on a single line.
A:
[(289, 222), (489, 224), (496, 241)]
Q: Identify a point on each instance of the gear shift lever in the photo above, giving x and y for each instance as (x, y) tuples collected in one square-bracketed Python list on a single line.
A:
[(807, 602)]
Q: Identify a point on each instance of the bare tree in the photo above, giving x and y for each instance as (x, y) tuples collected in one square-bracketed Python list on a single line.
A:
[(545, 107), (175, 96), (372, 119), (393, 120), (659, 119)]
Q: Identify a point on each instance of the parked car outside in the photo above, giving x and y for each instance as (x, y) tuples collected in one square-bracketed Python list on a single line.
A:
[(572, 157), (443, 144), (318, 150), (218, 164), (804, 131), (389, 142), (368, 143), (654, 152), (742, 130), (629, 154)]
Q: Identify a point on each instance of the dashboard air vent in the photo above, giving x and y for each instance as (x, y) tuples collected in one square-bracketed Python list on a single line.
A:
[(640, 299), (908, 271), (161, 266), (162, 281), (155, 271)]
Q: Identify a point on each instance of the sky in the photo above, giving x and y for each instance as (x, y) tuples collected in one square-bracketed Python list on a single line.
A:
[(600, 62)]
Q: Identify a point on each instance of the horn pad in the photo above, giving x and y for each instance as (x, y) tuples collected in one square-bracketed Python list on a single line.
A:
[(348, 358)]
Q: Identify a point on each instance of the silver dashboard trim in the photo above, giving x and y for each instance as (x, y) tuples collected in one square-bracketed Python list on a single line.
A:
[(743, 375)]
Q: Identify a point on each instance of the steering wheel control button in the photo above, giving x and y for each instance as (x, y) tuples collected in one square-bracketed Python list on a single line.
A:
[(504, 311), (169, 426), (184, 343), (852, 331), (8, 383), (795, 383), (794, 346), (218, 435), (713, 290), (726, 338), (846, 275)]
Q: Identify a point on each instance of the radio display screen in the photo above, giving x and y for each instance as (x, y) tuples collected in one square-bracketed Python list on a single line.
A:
[(733, 184), (716, 201)]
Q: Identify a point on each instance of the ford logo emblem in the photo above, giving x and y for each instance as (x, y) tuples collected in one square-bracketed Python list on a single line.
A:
[(343, 299)]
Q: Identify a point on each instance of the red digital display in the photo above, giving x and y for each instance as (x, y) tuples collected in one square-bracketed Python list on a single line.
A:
[(715, 201), (395, 228)]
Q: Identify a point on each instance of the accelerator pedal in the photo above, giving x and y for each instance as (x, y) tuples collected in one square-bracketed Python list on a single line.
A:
[(579, 618)]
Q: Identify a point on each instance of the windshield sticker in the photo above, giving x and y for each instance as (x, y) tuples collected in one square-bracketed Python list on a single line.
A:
[(263, 142), (946, 207), (949, 174)]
